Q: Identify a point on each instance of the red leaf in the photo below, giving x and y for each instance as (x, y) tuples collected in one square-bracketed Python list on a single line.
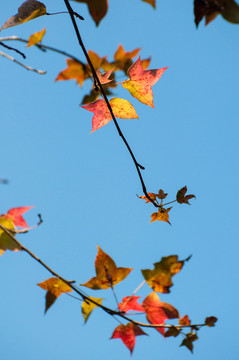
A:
[(141, 81), (127, 334), (130, 303), (157, 311), (15, 215)]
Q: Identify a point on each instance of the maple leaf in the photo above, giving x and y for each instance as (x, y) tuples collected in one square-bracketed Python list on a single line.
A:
[(97, 9), (122, 109), (209, 9), (6, 242), (123, 58), (104, 78), (36, 38), (172, 331), (87, 307), (210, 321), (188, 341), (141, 81), (15, 214), (157, 311), (161, 215), (181, 198), (127, 334), (75, 70), (107, 273), (130, 303), (184, 320), (29, 10), (160, 278), (161, 194), (54, 287)]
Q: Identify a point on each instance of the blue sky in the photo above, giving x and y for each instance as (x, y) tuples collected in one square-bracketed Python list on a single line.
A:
[(85, 185)]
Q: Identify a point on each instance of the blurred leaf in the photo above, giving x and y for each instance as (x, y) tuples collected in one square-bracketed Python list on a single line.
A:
[(210, 321), (54, 287), (127, 334), (97, 9), (88, 307), (130, 303), (36, 38), (6, 242), (29, 10)]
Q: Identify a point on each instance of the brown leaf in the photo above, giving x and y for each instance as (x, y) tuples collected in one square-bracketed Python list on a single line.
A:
[(181, 198), (97, 9), (210, 321), (29, 10)]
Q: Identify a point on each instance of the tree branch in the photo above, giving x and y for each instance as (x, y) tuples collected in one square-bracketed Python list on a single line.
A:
[(100, 87), (88, 299), (41, 72)]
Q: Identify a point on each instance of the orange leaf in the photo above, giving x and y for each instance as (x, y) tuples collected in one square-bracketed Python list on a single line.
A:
[(123, 58), (74, 70), (181, 198), (159, 279), (157, 311), (121, 108), (29, 10), (97, 9), (184, 320), (151, 2), (36, 38), (141, 81), (127, 334), (107, 274), (15, 215), (104, 78), (151, 195), (130, 303), (54, 287), (161, 215)]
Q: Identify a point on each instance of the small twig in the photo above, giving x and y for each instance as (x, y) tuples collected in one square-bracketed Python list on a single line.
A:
[(117, 302), (41, 47), (41, 72), (11, 48), (66, 12)]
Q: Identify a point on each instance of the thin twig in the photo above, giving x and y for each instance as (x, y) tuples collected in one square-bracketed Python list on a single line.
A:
[(99, 85), (41, 72), (41, 47), (11, 48)]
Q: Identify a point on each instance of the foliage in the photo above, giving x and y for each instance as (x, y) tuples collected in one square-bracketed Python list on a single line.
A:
[(139, 84)]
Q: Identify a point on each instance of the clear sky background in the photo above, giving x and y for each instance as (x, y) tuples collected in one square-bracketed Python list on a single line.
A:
[(85, 185)]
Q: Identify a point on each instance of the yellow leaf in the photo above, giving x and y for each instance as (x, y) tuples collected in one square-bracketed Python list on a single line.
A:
[(88, 306), (36, 38), (6, 243)]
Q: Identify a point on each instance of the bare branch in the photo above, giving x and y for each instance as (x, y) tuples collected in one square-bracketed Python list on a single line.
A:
[(41, 72)]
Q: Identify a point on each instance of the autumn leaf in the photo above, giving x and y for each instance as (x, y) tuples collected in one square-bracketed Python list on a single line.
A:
[(181, 198), (107, 273), (188, 341), (157, 311), (36, 38), (130, 303), (123, 59), (185, 321), (151, 2), (161, 215), (104, 78), (161, 194), (151, 195), (6, 242), (210, 321), (54, 287), (172, 331), (209, 9), (29, 10), (127, 334), (160, 278), (75, 70), (88, 307), (97, 9), (122, 109), (15, 215), (140, 82)]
